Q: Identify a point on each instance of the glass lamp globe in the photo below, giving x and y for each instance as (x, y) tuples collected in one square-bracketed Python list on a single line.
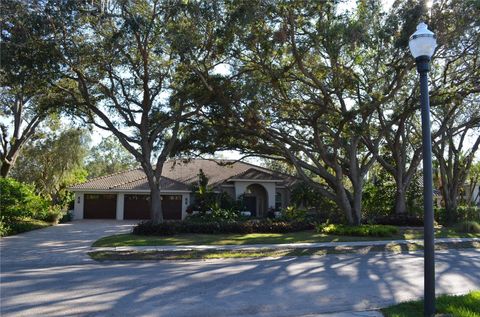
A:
[(422, 42)]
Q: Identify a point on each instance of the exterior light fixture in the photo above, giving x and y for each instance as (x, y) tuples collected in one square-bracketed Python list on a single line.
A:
[(422, 45)]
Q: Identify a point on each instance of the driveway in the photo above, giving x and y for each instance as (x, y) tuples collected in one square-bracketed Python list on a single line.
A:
[(55, 278), (57, 245)]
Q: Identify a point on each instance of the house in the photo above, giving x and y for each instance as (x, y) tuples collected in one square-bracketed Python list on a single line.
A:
[(125, 195)]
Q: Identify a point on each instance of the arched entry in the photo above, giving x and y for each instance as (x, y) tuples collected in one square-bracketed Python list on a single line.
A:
[(256, 199)]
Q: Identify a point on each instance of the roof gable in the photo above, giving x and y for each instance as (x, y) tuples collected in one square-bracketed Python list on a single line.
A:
[(181, 174)]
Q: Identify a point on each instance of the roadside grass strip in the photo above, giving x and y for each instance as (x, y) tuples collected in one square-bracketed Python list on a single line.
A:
[(262, 238), (201, 254), (446, 305)]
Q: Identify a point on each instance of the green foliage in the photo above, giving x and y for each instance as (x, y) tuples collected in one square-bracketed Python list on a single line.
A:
[(215, 215), (378, 199), (243, 227), (54, 163), (29, 65), (399, 220), (378, 196), (294, 213), (4, 228), (463, 213), (54, 214), (204, 199), (361, 231), (468, 227), (108, 157), (21, 208), (19, 200), (448, 305), (22, 225)]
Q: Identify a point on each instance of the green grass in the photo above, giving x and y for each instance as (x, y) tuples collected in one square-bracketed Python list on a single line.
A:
[(225, 254), (457, 306), (26, 224), (259, 238)]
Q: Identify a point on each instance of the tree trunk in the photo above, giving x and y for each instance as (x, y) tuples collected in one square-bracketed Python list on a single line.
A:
[(451, 209), (5, 169), (343, 202), (357, 204), (400, 201), (156, 212)]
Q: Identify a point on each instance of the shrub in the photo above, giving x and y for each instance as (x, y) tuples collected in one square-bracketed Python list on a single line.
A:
[(240, 227), (362, 230), (215, 215), (4, 228), (19, 200), (294, 213), (399, 220), (468, 213), (54, 214), (67, 217), (26, 224), (463, 213), (468, 227)]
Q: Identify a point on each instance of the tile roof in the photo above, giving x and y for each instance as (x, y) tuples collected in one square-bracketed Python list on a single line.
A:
[(181, 174), (134, 179)]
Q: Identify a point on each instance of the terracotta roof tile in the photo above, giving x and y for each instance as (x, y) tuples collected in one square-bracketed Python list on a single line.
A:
[(182, 174)]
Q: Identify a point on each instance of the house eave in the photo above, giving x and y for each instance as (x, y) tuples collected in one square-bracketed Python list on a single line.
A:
[(255, 180), (89, 190)]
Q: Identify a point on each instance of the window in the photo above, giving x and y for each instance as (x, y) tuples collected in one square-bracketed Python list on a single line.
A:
[(278, 201)]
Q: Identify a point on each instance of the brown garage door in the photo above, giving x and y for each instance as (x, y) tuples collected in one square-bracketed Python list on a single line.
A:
[(172, 207), (100, 206), (136, 207)]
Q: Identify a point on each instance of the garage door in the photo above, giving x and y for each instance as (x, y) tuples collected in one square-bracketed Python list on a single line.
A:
[(138, 207), (172, 207), (100, 206)]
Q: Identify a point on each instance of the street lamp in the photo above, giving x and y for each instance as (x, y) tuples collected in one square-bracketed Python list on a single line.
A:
[(422, 45)]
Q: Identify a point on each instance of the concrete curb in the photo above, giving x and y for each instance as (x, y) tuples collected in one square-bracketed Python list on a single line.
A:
[(276, 246), (370, 313)]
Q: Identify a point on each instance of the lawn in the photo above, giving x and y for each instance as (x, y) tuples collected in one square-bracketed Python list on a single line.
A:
[(258, 238), (260, 253), (458, 306)]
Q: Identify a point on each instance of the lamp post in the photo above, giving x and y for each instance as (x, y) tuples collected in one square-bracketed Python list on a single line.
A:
[(422, 45)]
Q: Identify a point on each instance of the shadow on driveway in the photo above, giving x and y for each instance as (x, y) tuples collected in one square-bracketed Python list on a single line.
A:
[(61, 244)]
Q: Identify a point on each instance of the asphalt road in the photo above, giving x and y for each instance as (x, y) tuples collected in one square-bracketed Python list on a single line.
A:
[(76, 286)]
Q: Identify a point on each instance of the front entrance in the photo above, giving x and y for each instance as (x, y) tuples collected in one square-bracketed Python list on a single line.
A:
[(137, 207), (255, 200), (100, 206), (251, 204)]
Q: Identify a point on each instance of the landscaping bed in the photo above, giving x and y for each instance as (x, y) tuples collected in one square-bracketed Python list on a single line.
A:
[(219, 227), (458, 306)]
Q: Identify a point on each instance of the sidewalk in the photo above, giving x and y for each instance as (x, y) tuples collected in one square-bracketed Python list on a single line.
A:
[(278, 246), (371, 313)]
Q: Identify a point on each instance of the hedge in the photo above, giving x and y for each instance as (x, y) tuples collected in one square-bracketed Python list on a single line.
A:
[(240, 227), (360, 231)]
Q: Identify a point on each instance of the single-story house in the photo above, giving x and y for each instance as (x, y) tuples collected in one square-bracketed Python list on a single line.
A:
[(125, 195)]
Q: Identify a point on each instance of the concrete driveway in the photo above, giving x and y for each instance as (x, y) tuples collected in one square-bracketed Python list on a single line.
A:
[(46, 273), (62, 244)]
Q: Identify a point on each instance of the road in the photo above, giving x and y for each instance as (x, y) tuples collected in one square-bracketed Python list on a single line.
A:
[(293, 286)]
